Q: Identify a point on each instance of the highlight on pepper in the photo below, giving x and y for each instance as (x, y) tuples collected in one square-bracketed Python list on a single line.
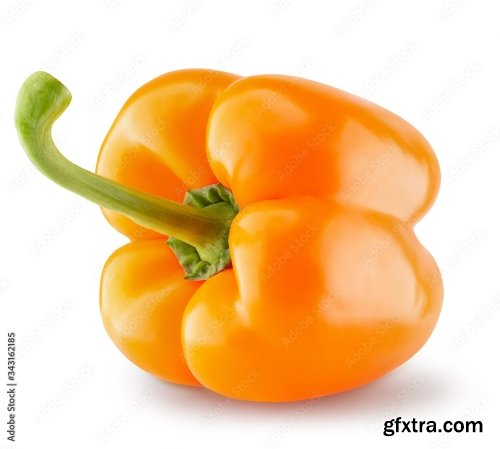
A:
[(272, 255)]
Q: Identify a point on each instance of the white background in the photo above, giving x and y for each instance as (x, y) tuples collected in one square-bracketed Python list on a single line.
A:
[(435, 63)]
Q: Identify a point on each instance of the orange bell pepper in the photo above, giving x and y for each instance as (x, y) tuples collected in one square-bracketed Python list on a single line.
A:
[(292, 269)]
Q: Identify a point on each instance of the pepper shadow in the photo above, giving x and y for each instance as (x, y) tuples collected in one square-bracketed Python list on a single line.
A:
[(406, 391)]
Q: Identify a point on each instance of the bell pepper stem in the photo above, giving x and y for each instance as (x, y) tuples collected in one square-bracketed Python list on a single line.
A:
[(41, 100)]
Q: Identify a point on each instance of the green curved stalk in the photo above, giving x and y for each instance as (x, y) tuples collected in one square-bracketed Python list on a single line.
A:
[(41, 100)]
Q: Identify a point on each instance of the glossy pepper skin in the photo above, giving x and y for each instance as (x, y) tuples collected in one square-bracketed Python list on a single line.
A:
[(325, 261), (329, 287), (157, 142)]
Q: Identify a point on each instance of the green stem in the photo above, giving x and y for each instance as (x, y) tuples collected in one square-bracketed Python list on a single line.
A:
[(41, 100)]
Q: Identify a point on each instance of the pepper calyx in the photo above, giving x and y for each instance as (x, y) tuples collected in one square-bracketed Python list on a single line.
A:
[(202, 262)]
